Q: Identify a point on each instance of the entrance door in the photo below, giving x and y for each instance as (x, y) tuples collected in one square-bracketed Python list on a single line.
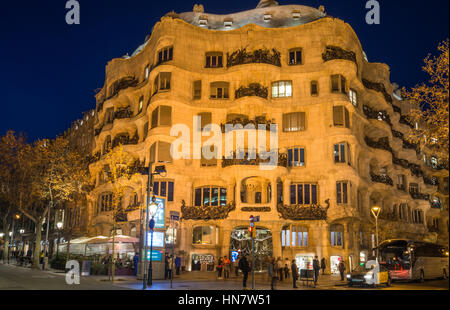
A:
[(334, 264), (241, 242)]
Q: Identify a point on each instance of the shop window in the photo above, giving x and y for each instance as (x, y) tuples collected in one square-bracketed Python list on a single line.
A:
[(220, 90), (164, 189), (162, 150), (303, 194), (337, 235), (296, 157), (202, 235), (162, 82), (341, 117), (294, 122), (295, 57), (162, 116), (342, 192), (314, 88), (197, 90), (282, 89), (338, 84), (353, 96), (214, 60), (171, 236), (294, 236), (165, 54), (210, 196)]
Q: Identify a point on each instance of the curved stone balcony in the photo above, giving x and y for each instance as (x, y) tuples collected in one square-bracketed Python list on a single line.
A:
[(417, 195), (383, 178), (303, 213), (116, 87), (335, 52), (253, 89), (245, 121), (241, 57), (206, 213), (382, 143), (378, 87), (378, 115)]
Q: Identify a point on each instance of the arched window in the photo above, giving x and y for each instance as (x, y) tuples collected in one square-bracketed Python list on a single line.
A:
[(337, 235)]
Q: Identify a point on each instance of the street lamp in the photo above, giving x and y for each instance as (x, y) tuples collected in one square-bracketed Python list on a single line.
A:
[(59, 225), (22, 231), (1, 235), (376, 212), (159, 170)]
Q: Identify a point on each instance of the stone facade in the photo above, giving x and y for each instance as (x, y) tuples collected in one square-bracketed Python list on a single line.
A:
[(331, 82)]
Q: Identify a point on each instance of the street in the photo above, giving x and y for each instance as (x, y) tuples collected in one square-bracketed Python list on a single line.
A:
[(13, 277)]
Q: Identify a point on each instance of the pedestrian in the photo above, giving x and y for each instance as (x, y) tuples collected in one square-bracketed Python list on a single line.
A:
[(41, 258), (323, 265), (226, 267), (342, 269), (245, 268), (286, 268), (29, 254), (177, 265), (280, 269), (236, 267), (135, 263), (316, 267), (219, 268), (166, 266), (169, 267), (272, 272), (294, 270)]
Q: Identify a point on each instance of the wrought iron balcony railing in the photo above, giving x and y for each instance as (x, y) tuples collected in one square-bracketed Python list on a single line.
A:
[(123, 113), (335, 52), (382, 143), (253, 89), (241, 56), (303, 213), (245, 121), (397, 134), (404, 120), (378, 115), (206, 213), (379, 87), (282, 161), (124, 139), (382, 178), (416, 195)]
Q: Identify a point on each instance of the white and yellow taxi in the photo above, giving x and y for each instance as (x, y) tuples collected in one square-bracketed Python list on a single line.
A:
[(371, 274)]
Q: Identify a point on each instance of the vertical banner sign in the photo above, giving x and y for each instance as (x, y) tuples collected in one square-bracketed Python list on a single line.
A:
[(161, 213)]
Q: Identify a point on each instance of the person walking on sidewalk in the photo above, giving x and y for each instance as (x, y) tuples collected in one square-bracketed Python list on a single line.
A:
[(219, 268), (177, 265), (226, 267), (316, 267), (245, 268), (342, 269), (323, 265), (287, 266), (272, 272), (280, 269), (294, 270), (236, 267)]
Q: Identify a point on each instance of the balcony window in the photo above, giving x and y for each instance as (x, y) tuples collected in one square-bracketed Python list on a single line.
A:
[(109, 116), (303, 194), (162, 116), (294, 236), (282, 89), (214, 60), (164, 189), (162, 82), (341, 117), (414, 188), (197, 90), (105, 203), (342, 153), (165, 54), (338, 84), (353, 96), (314, 88), (294, 122), (337, 235), (418, 216), (220, 90), (210, 196), (342, 192), (401, 182), (295, 57), (202, 235), (162, 150), (296, 157)]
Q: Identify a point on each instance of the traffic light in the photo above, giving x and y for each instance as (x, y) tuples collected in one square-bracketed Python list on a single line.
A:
[(252, 231)]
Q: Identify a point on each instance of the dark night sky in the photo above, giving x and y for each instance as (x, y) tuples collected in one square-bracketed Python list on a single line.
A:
[(49, 70)]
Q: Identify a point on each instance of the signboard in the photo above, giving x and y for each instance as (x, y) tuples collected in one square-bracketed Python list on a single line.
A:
[(158, 239), (174, 215), (234, 256), (160, 214), (156, 255)]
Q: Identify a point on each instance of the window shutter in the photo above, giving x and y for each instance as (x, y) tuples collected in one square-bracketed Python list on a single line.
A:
[(302, 121), (286, 123), (206, 119), (164, 152), (197, 90), (347, 118), (335, 83), (338, 116)]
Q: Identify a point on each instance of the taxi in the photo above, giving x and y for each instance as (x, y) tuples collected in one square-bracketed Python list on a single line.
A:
[(370, 274)]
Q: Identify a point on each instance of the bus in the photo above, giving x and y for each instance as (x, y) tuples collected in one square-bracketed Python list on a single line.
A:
[(413, 260)]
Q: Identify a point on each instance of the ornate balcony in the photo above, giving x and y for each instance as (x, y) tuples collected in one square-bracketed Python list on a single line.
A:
[(415, 170), (416, 195), (241, 57), (253, 89), (124, 139), (397, 134), (397, 109), (282, 161), (405, 121), (410, 146), (206, 213), (401, 162), (245, 121), (123, 83), (383, 178), (379, 87), (382, 143), (123, 113), (378, 115), (93, 158), (335, 52), (304, 213), (431, 181)]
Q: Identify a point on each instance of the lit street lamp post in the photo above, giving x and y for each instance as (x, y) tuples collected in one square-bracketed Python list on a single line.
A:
[(59, 225), (376, 212)]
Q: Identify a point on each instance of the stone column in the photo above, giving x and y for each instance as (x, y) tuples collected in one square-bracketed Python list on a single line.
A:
[(276, 241), (287, 192), (325, 245)]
